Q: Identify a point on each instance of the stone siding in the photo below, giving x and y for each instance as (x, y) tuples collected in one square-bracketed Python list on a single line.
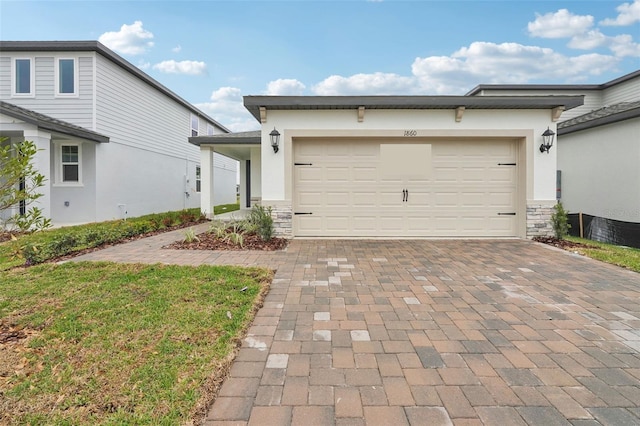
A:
[(282, 221), (539, 220)]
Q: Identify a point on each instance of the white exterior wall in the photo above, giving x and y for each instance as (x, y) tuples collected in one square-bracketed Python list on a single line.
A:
[(628, 91), (540, 167), (600, 172), (225, 172), (77, 110)]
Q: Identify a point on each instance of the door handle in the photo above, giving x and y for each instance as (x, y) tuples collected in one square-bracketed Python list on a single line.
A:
[(404, 195), (407, 195)]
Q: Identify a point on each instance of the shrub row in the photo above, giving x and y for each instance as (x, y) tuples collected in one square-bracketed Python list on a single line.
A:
[(46, 245)]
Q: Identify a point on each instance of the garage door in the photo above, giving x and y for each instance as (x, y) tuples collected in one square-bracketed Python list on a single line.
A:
[(449, 188)]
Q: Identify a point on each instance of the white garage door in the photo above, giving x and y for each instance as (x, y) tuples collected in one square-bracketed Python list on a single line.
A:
[(449, 188)]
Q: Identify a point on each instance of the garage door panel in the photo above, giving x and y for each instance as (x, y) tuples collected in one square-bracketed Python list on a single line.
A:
[(350, 195)]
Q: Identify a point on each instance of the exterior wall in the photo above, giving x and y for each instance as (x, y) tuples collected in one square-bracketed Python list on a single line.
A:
[(627, 91), (600, 173), (225, 171), (138, 182), (148, 166), (77, 110), (537, 183), (593, 99)]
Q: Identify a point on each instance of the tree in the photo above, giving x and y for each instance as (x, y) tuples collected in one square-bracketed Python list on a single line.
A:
[(19, 183)]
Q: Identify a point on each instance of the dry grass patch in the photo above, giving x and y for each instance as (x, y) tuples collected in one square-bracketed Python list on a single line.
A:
[(99, 343)]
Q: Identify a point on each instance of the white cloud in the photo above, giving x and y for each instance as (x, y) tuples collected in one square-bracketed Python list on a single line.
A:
[(130, 40), (226, 107), (480, 62), (285, 87), (177, 49), (144, 65), (621, 45), (365, 84), (560, 24), (182, 67), (629, 13)]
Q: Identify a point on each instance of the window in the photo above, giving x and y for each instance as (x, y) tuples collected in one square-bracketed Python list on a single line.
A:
[(69, 171), (210, 129), (194, 125), (198, 178), (23, 77), (66, 77)]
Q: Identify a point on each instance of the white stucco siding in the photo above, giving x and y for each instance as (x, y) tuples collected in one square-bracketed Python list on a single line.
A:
[(143, 181), (540, 168), (600, 173), (76, 109), (81, 199), (133, 113)]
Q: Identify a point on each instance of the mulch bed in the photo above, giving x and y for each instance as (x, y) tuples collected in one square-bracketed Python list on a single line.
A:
[(563, 244), (209, 241)]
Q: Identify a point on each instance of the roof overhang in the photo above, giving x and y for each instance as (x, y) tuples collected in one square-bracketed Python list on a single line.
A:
[(258, 105), (49, 123), (601, 117), (239, 138)]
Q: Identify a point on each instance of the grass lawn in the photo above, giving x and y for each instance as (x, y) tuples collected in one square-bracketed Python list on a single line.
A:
[(617, 255), (101, 343), (225, 208)]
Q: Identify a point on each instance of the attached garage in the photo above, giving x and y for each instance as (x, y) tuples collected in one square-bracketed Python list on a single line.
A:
[(399, 166), (388, 187)]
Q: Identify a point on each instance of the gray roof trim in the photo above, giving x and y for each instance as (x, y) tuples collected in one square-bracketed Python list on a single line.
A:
[(603, 116), (96, 46), (239, 138), (548, 87), (49, 123), (253, 103)]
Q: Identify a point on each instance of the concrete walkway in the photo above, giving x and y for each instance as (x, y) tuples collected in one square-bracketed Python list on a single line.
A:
[(425, 332)]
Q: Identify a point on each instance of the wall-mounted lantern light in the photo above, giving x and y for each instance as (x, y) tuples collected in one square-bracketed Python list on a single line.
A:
[(275, 139), (547, 140)]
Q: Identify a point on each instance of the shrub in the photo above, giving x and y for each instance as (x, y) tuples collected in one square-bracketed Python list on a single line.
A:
[(260, 217), (560, 222), (190, 236)]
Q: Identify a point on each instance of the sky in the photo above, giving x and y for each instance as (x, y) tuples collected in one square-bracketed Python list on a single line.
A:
[(213, 52)]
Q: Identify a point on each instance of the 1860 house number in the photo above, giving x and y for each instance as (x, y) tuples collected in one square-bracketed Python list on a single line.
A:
[(411, 133)]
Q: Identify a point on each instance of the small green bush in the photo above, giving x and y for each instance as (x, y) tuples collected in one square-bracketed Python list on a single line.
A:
[(560, 221), (260, 217)]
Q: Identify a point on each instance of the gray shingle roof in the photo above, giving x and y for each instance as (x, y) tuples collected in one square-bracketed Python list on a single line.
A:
[(600, 117), (49, 123)]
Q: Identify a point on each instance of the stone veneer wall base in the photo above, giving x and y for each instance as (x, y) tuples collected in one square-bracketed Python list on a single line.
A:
[(539, 220)]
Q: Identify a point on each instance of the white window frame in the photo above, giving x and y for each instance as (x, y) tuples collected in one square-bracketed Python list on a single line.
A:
[(198, 179), (197, 128), (210, 129), (32, 77), (75, 77), (59, 172)]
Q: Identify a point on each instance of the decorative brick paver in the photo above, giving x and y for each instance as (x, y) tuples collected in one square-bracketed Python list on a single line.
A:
[(416, 332)]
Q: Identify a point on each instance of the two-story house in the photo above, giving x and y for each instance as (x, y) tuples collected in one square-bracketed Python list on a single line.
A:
[(598, 153), (113, 141)]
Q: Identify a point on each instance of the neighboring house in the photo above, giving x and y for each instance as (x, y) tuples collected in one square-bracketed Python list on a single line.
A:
[(113, 141), (598, 148), (397, 166)]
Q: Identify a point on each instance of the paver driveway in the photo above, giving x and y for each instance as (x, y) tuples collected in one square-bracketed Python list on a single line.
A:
[(431, 332)]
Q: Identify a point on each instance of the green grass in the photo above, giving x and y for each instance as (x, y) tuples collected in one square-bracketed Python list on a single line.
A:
[(226, 208), (617, 255), (52, 243), (119, 344)]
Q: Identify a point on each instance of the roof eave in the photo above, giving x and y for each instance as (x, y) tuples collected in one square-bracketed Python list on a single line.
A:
[(597, 122)]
